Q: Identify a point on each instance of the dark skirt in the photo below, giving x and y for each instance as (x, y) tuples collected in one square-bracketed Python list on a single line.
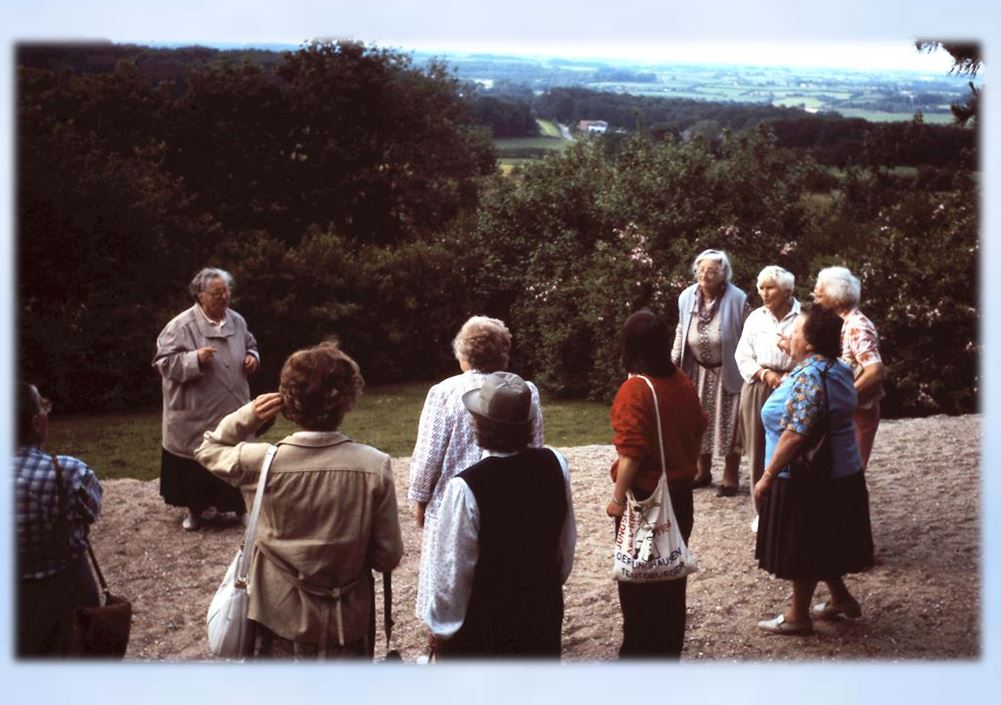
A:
[(815, 529), (185, 483)]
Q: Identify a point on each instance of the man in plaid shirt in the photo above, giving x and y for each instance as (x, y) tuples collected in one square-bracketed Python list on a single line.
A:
[(54, 576)]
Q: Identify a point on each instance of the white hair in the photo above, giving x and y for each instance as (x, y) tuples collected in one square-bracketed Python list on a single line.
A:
[(840, 286), (779, 275), (201, 280), (716, 256), (483, 342)]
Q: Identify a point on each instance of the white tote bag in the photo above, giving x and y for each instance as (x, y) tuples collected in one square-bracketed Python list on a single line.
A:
[(228, 628), (649, 546)]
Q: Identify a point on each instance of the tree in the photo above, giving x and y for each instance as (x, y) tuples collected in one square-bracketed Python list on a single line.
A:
[(966, 61)]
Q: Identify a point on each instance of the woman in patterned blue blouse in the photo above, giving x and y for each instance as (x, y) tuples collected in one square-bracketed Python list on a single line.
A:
[(815, 510)]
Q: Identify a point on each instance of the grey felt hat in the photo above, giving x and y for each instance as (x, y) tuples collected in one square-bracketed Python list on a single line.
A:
[(504, 398)]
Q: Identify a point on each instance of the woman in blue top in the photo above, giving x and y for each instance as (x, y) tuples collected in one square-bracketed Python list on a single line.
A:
[(815, 514)]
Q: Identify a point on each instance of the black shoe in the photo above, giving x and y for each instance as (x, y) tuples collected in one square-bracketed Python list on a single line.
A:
[(726, 491), (702, 481)]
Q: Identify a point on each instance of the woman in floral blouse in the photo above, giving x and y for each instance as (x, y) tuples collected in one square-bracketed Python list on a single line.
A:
[(814, 513), (839, 289), (446, 441)]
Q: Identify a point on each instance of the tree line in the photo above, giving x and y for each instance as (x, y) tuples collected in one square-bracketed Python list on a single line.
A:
[(355, 195)]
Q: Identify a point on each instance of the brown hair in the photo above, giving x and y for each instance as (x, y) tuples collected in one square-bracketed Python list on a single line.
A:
[(822, 330), (646, 345), (501, 437), (319, 385)]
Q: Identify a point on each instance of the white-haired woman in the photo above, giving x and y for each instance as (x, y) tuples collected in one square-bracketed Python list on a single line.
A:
[(446, 440), (762, 362), (711, 315), (837, 288), (204, 356)]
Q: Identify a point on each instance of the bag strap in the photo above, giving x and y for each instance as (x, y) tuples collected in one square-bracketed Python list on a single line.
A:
[(61, 519), (255, 513), (660, 432), (387, 607)]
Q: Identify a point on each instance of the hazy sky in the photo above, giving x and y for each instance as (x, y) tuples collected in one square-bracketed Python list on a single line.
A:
[(867, 55)]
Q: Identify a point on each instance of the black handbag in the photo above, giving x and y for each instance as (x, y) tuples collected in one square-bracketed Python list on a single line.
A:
[(102, 631)]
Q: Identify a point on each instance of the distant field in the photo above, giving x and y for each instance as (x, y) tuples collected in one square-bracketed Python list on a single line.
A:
[(128, 444), (794, 101), (548, 128), (880, 116), (510, 143)]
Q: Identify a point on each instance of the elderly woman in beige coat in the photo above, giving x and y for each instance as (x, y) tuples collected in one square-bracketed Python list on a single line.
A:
[(329, 516), (204, 356)]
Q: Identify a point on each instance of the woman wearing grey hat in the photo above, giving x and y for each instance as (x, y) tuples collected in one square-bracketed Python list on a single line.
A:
[(498, 590), (446, 442)]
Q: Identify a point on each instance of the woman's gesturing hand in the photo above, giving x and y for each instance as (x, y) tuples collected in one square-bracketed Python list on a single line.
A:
[(205, 354), (250, 365), (267, 406)]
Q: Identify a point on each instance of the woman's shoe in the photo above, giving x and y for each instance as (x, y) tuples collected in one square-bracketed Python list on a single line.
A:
[(779, 625), (829, 610), (726, 491), (191, 522), (702, 481)]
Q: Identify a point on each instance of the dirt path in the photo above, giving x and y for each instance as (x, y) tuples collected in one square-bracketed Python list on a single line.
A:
[(921, 601)]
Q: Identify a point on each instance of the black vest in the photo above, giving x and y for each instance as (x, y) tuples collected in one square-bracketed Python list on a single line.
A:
[(516, 604)]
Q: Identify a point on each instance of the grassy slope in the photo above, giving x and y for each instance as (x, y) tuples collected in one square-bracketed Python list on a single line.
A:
[(128, 444)]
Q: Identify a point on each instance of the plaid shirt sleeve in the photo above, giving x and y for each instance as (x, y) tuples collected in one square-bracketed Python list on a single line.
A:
[(83, 490), (40, 543)]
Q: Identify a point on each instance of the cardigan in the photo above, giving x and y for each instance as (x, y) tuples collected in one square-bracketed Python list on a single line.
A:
[(731, 309)]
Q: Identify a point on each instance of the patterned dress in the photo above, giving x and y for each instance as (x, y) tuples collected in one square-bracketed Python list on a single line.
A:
[(446, 445), (705, 342)]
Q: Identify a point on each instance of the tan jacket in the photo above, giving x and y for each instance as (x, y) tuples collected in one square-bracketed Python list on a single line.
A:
[(195, 399), (329, 517)]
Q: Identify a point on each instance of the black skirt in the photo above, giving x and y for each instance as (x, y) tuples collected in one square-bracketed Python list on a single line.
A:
[(185, 483), (815, 529)]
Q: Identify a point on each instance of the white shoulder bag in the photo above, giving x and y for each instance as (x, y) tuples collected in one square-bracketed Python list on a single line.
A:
[(229, 632), (649, 546)]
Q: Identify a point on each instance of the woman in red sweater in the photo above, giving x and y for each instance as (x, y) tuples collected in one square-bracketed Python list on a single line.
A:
[(653, 614)]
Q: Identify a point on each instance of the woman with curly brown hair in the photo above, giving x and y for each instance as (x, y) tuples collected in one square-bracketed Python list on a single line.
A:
[(329, 516), (446, 440)]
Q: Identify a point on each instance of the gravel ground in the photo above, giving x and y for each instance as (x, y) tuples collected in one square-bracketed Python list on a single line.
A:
[(921, 600)]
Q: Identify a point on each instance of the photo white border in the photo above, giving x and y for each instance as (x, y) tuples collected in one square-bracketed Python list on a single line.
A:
[(394, 22)]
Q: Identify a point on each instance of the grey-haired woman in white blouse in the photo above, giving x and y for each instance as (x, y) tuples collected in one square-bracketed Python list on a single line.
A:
[(446, 442), (762, 358)]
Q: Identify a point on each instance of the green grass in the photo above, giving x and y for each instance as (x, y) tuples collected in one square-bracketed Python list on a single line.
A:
[(507, 143), (547, 128), (128, 444)]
